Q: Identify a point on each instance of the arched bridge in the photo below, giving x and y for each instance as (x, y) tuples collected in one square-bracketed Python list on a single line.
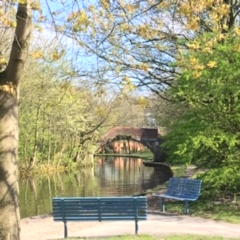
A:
[(148, 137)]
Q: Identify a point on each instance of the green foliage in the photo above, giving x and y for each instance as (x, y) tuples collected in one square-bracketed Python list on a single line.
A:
[(223, 209), (58, 119), (61, 117), (208, 134)]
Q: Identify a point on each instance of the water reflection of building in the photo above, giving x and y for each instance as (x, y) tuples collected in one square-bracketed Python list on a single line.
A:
[(121, 163), (127, 146)]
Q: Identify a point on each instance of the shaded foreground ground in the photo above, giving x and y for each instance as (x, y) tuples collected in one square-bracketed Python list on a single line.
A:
[(158, 224), (42, 228)]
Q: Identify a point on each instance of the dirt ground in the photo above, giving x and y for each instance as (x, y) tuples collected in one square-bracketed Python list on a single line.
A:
[(43, 227), (158, 224)]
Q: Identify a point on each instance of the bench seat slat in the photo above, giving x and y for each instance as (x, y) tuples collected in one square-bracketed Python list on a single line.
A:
[(181, 198)]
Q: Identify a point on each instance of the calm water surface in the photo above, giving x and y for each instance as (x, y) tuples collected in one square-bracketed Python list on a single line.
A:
[(109, 177)]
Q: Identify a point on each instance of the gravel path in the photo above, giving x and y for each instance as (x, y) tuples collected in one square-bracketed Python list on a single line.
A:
[(159, 224)]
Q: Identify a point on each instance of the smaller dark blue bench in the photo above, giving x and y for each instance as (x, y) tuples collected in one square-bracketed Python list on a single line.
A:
[(68, 209), (183, 189)]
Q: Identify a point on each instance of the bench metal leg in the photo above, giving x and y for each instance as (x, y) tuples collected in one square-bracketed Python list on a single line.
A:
[(163, 204), (136, 227), (187, 207), (65, 230)]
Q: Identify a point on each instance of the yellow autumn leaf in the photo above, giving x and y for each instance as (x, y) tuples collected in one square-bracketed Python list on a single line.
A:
[(197, 74), (101, 111), (184, 8), (83, 17), (195, 64), (118, 69), (194, 61), (237, 31), (128, 84), (105, 3), (212, 64), (132, 7), (143, 102), (236, 47), (223, 9), (13, 24), (3, 61), (194, 24), (195, 45), (36, 6), (124, 27), (144, 67), (58, 54), (221, 37), (22, 1), (37, 55)]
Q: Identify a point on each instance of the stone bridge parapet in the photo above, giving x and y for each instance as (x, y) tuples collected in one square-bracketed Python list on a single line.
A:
[(137, 133)]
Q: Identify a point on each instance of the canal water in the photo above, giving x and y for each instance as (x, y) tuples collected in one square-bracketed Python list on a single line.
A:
[(109, 177)]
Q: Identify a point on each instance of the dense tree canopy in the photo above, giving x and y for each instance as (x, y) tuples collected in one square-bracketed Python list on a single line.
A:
[(208, 134), (68, 115)]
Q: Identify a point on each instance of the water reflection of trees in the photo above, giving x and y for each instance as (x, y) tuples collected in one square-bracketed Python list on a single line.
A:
[(159, 176), (134, 176), (36, 193), (109, 177)]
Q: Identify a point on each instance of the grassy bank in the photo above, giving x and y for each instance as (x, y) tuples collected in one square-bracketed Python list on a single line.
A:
[(144, 155)]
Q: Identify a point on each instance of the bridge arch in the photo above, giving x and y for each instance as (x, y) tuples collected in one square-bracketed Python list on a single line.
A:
[(148, 137)]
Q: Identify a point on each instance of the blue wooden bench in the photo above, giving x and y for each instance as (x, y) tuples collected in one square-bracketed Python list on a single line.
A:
[(68, 209), (183, 189)]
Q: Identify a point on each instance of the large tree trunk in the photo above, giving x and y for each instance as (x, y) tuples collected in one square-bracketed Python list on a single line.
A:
[(9, 206), (9, 81)]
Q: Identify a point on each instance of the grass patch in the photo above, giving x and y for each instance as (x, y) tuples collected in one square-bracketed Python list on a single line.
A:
[(195, 237), (227, 212), (124, 237), (223, 210), (147, 155), (149, 237)]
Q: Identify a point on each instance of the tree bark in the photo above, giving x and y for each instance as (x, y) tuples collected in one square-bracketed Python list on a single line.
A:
[(9, 81)]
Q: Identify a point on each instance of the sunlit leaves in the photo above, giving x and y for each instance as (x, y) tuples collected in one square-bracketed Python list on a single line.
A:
[(36, 5), (128, 85), (215, 12), (22, 1), (212, 64), (194, 23), (56, 55), (105, 3), (144, 103), (3, 61), (38, 54), (7, 15), (80, 20), (208, 134)]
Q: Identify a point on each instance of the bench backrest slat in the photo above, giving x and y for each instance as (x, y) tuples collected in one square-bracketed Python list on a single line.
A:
[(184, 187), (125, 208)]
